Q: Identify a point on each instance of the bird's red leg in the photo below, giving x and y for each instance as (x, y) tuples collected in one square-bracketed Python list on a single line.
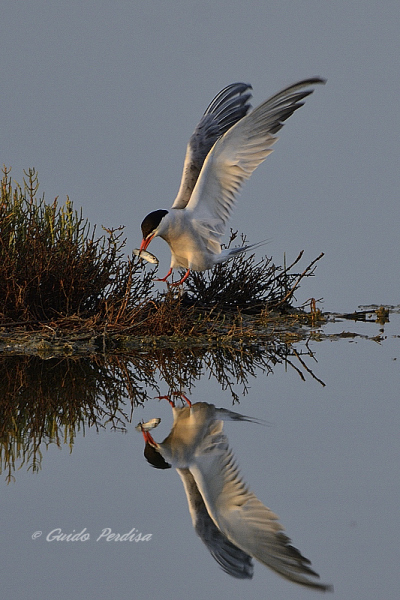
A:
[(183, 398), (163, 278), (186, 399), (186, 275), (172, 403)]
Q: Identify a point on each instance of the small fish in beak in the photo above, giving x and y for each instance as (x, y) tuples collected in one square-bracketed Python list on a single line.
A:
[(146, 256)]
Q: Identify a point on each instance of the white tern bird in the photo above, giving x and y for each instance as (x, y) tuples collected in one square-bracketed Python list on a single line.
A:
[(230, 520), (226, 147)]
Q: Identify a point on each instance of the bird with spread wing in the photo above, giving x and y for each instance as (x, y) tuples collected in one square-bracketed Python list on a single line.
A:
[(231, 521), (226, 147)]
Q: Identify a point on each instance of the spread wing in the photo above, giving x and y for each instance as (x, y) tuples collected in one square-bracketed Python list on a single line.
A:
[(237, 154), (230, 558), (240, 516), (227, 108)]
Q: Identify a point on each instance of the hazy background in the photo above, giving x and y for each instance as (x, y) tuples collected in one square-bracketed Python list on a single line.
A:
[(327, 464), (101, 98)]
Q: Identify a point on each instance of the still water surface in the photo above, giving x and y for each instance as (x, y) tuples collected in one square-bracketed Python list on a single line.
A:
[(327, 463)]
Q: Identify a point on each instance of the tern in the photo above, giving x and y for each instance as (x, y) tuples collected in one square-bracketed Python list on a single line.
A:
[(226, 147), (232, 522)]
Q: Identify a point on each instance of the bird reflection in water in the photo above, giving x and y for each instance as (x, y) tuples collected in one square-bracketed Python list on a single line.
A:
[(234, 525)]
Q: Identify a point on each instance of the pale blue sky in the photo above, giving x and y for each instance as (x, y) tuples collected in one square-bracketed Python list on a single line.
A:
[(101, 97)]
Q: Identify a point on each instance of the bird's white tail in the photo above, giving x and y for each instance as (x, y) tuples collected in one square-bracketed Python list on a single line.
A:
[(231, 252)]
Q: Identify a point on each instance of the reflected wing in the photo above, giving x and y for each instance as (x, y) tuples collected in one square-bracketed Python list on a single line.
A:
[(245, 521), (224, 414), (230, 558), (227, 108), (237, 154)]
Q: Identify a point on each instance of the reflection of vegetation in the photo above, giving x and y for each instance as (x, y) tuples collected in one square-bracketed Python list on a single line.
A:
[(46, 402), (66, 294)]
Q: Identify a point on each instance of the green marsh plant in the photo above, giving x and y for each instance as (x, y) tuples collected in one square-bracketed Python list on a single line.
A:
[(53, 265)]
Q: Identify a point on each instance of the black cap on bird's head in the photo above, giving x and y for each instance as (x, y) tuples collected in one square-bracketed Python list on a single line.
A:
[(152, 221), (154, 457)]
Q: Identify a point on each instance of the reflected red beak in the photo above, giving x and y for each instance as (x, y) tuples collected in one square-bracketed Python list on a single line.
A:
[(148, 438)]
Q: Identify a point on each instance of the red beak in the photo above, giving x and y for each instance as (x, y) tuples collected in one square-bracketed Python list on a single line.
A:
[(148, 438), (145, 243)]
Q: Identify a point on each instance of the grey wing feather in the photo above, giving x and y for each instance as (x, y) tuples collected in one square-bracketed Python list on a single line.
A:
[(226, 109), (230, 558), (283, 104), (237, 154), (241, 516), (229, 415)]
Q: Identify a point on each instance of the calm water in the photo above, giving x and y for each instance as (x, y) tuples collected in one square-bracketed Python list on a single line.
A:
[(327, 464)]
